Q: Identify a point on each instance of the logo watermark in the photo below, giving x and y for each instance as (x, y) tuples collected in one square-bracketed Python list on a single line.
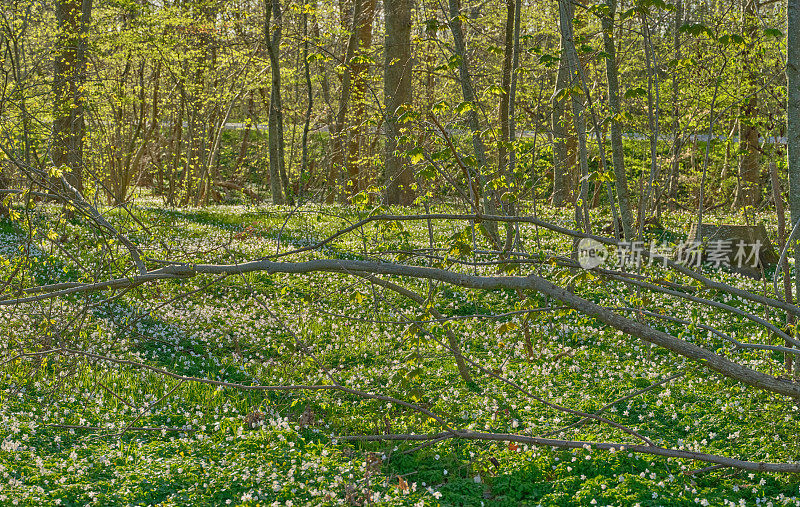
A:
[(634, 254)]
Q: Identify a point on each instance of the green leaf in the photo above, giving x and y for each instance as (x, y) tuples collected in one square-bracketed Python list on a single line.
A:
[(440, 107), (416, 155), (464, 107), (635, 92), (495, 90)]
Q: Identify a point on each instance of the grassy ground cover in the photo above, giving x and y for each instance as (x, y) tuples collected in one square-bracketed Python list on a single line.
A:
[(64, 419)]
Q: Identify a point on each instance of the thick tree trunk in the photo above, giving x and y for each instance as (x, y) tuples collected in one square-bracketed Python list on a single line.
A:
[(563, 141), (355, 164), (617, 153), (793, 118), (69, 65), (748, 190), (277, 160), (397, 94)]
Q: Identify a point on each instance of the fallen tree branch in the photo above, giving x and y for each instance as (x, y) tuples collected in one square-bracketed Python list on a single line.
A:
[(755, 466), (705, 281), (530, 282)]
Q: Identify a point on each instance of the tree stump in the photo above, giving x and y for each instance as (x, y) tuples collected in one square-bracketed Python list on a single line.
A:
[(735, 244)]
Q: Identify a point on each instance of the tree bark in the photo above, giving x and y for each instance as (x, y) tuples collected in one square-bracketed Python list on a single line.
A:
[(338, 140), (505, 140), (787, 279), (355, 164), (531, 282), (397, 95), (748, 189), (304, 175), (277, 160), (512, 124), (617, 153), (566, 16), (69, 64), (561, 166), (653, 114), (793, 118), (249, 106), (468, 94), (677, 146)]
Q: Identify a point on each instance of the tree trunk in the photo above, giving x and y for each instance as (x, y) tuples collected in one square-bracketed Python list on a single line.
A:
[(653, 114), (677, 145), (249, 112), (617, 153), (468, 94), (69, 65), (355, 163), (277, 160), (467, 90), (793, 118), (512, 124), (777, 195), (397, 95), (338, 140), (304, 176), (566, 16), (559, 124), (748, 190), (503, 143)]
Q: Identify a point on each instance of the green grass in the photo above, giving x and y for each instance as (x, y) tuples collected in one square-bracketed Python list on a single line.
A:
[(223, 332)]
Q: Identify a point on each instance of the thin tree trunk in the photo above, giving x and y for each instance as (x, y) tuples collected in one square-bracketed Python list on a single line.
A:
[(512, 124), (677, 145), (566, 16), (505, 142), (249, 110), (508, 55), (787, 281), (653, 113), (338, 141), (512, 131), (309, 107), (559, 126), (175, 149), (468, 94)]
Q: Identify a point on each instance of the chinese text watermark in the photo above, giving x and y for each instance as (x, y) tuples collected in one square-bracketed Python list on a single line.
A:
[(691, 253)]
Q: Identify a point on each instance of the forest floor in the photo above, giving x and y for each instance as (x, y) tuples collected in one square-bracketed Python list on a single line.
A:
[(65, 419)]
